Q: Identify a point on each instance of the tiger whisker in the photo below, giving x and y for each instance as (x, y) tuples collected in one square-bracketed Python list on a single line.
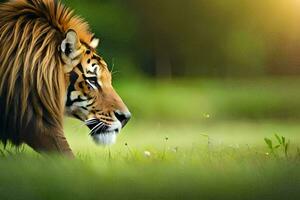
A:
[(91, 122), (100, 123), (99, 128), (90, 119)]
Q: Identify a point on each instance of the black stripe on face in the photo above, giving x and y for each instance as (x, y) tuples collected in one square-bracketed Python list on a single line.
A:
[(80, 68), (79, 99), (84, 108), (73, 78), (93, 72), (96, 57), (94, 81), (91, 104)]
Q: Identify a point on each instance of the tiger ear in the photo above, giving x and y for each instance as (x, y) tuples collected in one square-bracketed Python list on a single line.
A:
[(70, 44), (70, 50), (94, 43)]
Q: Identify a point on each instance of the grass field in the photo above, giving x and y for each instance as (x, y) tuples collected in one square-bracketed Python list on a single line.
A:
[(205, 142)]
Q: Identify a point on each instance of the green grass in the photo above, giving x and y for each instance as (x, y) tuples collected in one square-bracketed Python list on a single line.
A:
[(233, 164), (203, 157)]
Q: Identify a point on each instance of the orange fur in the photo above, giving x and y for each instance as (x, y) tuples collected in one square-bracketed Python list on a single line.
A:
[(32, 79)]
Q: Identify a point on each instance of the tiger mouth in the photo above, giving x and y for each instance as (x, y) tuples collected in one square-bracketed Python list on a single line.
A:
[(102, 133)]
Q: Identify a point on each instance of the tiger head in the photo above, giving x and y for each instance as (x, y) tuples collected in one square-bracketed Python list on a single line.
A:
[(90, 95)]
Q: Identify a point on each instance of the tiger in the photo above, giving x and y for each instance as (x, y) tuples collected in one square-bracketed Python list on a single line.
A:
[(50, 68)]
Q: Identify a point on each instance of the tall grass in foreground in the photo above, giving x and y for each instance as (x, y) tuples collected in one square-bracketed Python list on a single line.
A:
[(215, 174), (198, 172)]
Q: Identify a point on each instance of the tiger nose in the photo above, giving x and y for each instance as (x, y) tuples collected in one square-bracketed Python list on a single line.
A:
[(123, 117)]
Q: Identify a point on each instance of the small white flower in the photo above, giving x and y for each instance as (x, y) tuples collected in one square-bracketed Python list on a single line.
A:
[(147, 153), (175, 149)]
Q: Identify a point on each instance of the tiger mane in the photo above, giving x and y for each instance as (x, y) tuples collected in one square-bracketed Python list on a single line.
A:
[(32, 80)]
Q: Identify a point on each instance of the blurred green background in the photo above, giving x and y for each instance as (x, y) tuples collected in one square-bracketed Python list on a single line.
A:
[(232, 38)]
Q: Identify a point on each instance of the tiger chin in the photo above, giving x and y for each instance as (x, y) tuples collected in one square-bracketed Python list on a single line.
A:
[(49, 67)]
